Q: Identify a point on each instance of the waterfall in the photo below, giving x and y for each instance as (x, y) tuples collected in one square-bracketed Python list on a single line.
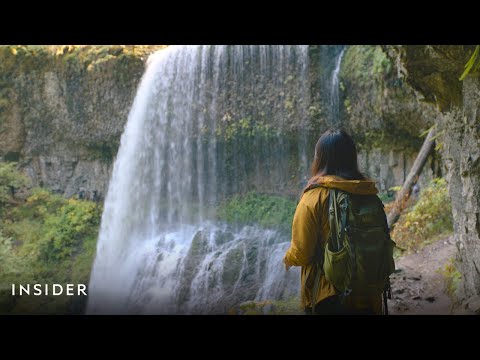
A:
[(334, 89), (205, 124)]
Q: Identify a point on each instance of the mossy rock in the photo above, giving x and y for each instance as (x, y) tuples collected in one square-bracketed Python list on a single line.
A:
[(223, 237), (234, 261)]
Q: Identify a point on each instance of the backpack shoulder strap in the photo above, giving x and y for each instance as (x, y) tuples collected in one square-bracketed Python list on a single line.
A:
[(332, 199), (343, 219), (337, 220)]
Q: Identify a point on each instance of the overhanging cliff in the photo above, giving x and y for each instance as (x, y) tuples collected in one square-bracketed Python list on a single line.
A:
[(434, 71)]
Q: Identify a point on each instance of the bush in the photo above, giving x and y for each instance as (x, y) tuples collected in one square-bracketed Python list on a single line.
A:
[(11, 267), (46, 239), (452, 278), (66, 229), (10, 180), (428, 220)]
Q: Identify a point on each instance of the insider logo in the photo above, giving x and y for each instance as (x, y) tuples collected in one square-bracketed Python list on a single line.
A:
[(49, 289)]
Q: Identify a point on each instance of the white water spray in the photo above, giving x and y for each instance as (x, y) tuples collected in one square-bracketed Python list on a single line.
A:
[(160, 249)]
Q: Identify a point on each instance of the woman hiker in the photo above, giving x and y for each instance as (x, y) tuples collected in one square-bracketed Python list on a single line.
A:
[(334, 166)]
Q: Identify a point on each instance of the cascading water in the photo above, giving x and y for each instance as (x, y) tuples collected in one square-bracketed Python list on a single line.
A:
[(205, 124), (334, 92)]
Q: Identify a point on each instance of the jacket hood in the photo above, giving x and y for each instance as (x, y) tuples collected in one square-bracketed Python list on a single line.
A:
[(360, 187)]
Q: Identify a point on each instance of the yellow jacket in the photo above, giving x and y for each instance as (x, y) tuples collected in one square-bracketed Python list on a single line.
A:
[(310, 229)]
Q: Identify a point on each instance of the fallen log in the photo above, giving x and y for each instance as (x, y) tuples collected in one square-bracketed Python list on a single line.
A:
[(412, 178)]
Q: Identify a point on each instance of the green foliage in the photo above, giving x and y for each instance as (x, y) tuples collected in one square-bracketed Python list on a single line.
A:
[(387, 139), (438, 135), (26, 58), (473, 64), (66, 229), (264, 210), (348, 105), (375, 95), (10, 178), (94, 56), (9, 265), (429, 219), (87, 51), (245, 127), (104, 151), (452, 278), (46, 239), (269, 307), (362, 63)]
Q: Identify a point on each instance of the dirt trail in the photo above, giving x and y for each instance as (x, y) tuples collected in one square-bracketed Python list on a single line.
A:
[(417, 287)]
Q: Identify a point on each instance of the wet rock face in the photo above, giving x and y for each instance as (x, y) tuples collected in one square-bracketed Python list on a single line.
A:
[(223, 268), (462, 154), (434, 71), (390, 167), (380, 109), (62, 120), (384, 116)]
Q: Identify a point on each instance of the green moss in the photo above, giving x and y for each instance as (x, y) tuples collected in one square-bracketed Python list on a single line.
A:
[(223, 237), (289, 306), (25, 71), (191, 265), (27, 58), (264, 210), (387, 138), (199, 245), (231, 273), (362, 63), (104, 150), (380, 110), (245, 128)]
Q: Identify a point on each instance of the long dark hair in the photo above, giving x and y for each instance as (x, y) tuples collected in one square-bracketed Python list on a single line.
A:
[(336, 154)]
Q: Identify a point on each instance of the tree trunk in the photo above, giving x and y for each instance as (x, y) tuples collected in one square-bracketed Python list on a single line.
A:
[(411, 180)]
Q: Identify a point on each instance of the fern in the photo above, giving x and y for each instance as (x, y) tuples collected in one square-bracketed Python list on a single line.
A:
[(473, 63)]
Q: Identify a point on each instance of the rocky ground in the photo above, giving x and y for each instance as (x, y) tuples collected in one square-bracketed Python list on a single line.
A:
[(418, 286)]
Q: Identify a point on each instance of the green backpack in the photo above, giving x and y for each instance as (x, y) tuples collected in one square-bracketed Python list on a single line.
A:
[(358, 256)]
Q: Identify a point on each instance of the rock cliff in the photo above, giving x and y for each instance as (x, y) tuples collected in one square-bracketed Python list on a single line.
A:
[(63, 109), (434, 71)]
